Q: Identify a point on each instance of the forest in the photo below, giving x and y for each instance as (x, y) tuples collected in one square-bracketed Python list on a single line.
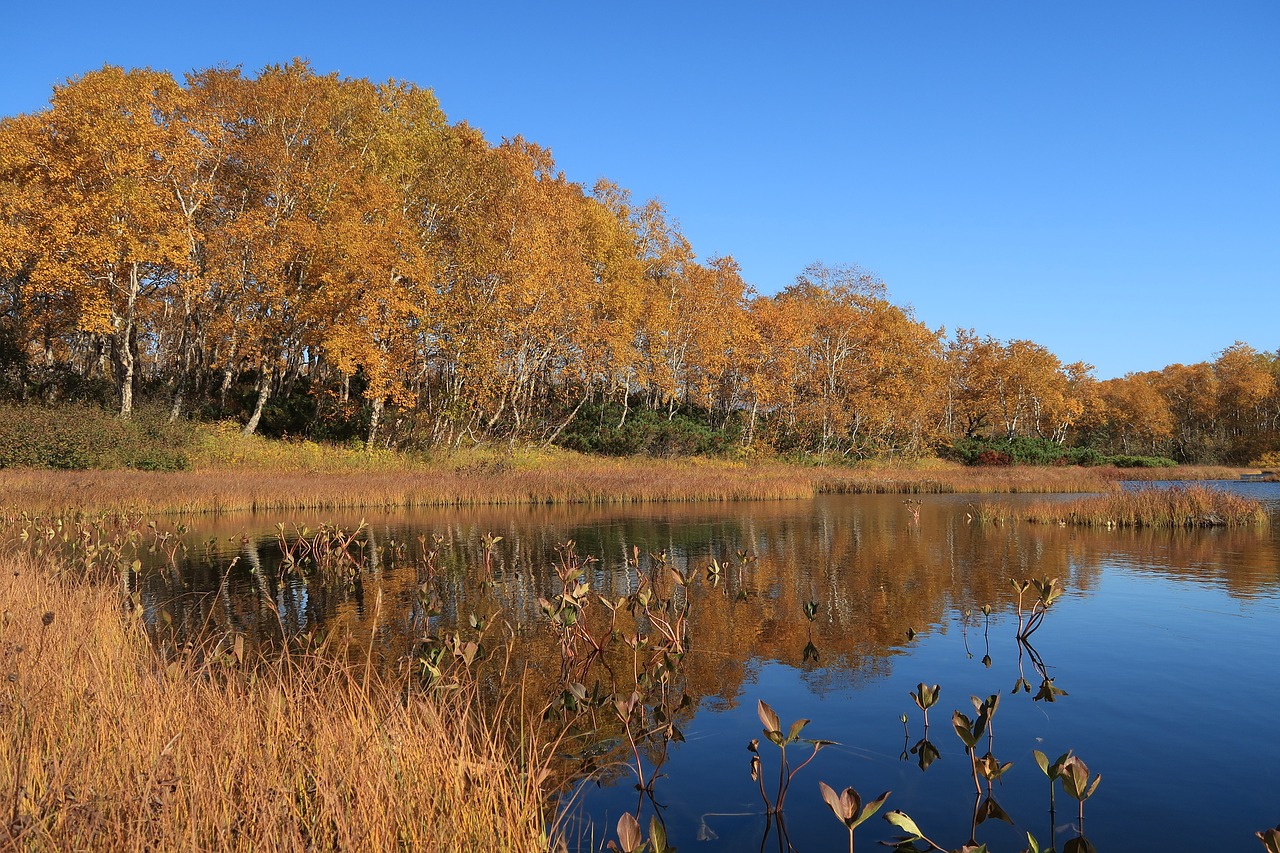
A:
[(329, 258)]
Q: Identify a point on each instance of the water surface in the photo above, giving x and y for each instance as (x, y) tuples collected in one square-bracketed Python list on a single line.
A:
[(1164, 643)]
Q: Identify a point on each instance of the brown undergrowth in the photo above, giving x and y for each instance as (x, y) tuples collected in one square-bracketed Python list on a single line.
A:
[(109, 746)]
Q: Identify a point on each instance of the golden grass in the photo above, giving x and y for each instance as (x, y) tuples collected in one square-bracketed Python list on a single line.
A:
[(939, 477), (108, 748), (572, 480), (237, 473), (1189, 506)]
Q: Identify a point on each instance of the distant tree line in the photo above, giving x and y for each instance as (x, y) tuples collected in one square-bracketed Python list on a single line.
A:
[(331, 258)]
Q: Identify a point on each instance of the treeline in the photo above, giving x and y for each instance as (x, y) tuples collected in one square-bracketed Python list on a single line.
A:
[(332, 258)]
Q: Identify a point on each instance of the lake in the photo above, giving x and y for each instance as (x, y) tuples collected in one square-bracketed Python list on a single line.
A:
[(1160, 657)]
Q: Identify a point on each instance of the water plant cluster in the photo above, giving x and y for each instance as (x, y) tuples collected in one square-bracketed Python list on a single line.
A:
[(1172, 507)]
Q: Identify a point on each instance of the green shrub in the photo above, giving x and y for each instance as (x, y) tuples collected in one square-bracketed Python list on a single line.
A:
[(1027, 450), (1140, 461), (80, 436), (647, 433)]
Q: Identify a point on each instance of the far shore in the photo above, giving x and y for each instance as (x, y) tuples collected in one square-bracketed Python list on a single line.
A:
[(548, 478)]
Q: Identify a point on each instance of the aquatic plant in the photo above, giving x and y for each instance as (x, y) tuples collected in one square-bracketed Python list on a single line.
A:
[(786, 773), (1047, 592), (1171, 507), (925, 698), (1053, 772), (630, 839), (848, 808), (1074, 774)]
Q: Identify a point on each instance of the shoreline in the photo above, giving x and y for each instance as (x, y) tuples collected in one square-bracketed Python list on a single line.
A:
[(559, 479)]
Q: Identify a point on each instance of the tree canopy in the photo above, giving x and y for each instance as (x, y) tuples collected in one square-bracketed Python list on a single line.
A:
[(332, 257)]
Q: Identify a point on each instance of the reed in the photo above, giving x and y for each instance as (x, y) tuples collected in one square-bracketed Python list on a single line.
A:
[(1179, 506), (334, 479), (953, 478), (570, 480), (110, 747)]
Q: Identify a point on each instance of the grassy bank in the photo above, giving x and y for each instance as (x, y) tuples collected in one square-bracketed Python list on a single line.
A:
[(332, 481), (1152, 507), (108, 747)]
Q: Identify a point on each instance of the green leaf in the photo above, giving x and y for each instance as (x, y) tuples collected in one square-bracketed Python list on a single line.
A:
[(903, 822), (796, 728), (658, 836), (870, 808)]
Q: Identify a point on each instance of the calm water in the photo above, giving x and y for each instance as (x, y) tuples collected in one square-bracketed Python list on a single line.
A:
[(1165, 644)]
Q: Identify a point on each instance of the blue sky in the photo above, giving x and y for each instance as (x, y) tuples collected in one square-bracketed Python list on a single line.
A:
[(1102, 178)]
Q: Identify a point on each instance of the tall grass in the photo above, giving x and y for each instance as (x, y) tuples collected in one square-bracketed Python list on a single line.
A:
[(571, 479), (109, 747), (233, 472), (1190, 506)]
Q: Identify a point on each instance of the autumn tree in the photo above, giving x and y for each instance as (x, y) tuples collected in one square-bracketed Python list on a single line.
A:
[(98, 206), (1191, 392), (864, 376), (1246, 392), (338, 243), (1130, 415)]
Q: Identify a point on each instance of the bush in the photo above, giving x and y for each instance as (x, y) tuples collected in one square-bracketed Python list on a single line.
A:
[(647, 433), (78, 436), (1140, 462), (1026, 450), (993, 457), (1270, 460)]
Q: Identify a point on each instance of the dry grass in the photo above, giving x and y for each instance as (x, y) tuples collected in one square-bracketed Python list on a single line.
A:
[(953, 478), (282, 476), (1191, 506), (1178, 473), (570, 480), (109, 748)]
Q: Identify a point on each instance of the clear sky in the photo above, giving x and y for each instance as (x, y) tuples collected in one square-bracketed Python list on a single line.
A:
[(1100, 177)]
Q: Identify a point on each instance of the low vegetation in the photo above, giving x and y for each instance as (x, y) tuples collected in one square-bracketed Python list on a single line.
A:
[(1189, 506), (1028, 450), (215, 468), (110, 745), (130, 729)]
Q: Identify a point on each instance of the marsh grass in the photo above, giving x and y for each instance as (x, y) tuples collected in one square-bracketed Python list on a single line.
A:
[(1174, 507), (571, 480), (233, 472), (109, 746)]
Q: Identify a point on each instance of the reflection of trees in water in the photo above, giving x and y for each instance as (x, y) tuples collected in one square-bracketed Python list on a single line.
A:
[(873, 572)]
